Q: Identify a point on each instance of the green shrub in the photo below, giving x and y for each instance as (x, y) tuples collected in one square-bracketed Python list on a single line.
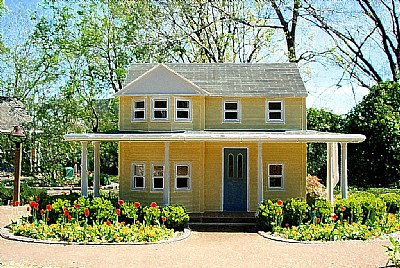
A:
[(392, 201), (5, 194), (152, 214), (295, 211), (175, 216), (269, 214), (321, 209), (360, 207)]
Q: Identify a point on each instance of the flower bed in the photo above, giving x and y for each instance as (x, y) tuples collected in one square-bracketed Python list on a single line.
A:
[(99, 220), (360, 217)]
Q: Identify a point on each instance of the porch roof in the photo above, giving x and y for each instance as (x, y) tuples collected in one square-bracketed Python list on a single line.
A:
[(300, 136)]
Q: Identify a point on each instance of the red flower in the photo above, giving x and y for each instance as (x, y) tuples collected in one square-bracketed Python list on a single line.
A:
[(342, 208), (28, 208), (118, 211), (86, 211), (153, 204), (69, 217), (136, 204), (48, 207), (287, 224), (163, 219), (66, 212), (42, 212), (120, 202), (279, 203), (108, 223), (318, 220), (334, 217), (34, 205), (16, 203), (11, 203), (37, 199), (76, 206)]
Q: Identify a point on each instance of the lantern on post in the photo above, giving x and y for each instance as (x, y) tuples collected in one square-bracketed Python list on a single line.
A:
[(17, 136)]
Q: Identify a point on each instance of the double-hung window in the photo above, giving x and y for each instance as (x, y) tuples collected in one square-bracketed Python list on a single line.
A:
[(157, 177), (182, 176), (138, 178), (231, 111), (276, 177), (139, 110), (275, 111), (183, 110), (159, 109)]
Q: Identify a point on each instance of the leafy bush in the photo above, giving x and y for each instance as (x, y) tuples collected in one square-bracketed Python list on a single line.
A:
[(392, 201), (295, 211), (314, 189), (152, 214), (175, 216), (269, 214), (321, 209), (393, 252)]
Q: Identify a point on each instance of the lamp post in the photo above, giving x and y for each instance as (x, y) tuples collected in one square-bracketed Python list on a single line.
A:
[(17, 136)]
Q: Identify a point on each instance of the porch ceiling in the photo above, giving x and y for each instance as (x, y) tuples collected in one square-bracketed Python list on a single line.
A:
[(301, 136)]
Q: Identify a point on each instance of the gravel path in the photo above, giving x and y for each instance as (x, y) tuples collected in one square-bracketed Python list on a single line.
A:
[(201, 249)]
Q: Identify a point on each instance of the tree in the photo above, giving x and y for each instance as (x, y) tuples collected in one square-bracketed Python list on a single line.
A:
[(376, 161), (204, 31), (365, 35), (325, 121)]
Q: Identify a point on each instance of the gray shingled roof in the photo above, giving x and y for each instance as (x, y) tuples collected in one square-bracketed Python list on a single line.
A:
[(236, 79), (12, 113)]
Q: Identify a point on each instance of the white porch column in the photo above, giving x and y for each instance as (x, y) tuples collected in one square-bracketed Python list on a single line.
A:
[(329, 171), (84, 178), (166, 192), (343, 166), (260, 174), (96, 179)]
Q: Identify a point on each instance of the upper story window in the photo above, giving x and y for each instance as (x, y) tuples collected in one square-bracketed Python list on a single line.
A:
[(231, 112), (138, 178), (276, 177), (183, 110), (275, 111), (159, 109), (139, 110)]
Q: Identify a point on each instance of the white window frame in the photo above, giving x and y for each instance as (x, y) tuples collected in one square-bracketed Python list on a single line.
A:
[(133, 176), (189, 110), (282, 111), (153, 109), (153, 177), (275, 176), (189, 176), (228, 110), (134, 109)]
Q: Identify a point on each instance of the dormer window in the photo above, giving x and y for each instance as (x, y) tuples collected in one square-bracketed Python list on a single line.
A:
[(139, 110), (183, 110), (275, 111), (231, 111), (159, 109)]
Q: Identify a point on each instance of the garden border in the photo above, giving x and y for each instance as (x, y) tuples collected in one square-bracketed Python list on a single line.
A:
[(178, 236), (269, 236)]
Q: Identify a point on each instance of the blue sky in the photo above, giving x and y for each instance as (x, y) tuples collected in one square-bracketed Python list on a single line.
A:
[(320, 83)]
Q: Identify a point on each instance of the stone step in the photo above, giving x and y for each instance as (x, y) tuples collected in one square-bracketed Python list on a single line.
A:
[(223, 218)]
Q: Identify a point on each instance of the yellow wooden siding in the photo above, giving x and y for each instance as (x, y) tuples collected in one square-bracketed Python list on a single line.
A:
[(125, 115), (253, 113), (149, 153), (293, 156)]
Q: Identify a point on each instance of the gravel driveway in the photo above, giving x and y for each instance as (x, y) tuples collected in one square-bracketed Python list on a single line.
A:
[(201, 249)]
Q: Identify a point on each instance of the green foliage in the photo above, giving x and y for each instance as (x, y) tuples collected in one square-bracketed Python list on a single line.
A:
[(269, 215), (376, 161), (321, 209), (152, 215), (295, 211), (175, 216), (392, 201), (393, 252), (324, 121)]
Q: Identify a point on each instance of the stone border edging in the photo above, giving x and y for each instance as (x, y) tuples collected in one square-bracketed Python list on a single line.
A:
[(178, 236), (292, 241)]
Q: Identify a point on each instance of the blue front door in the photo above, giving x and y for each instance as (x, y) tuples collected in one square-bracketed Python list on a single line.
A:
[(235, 179)]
